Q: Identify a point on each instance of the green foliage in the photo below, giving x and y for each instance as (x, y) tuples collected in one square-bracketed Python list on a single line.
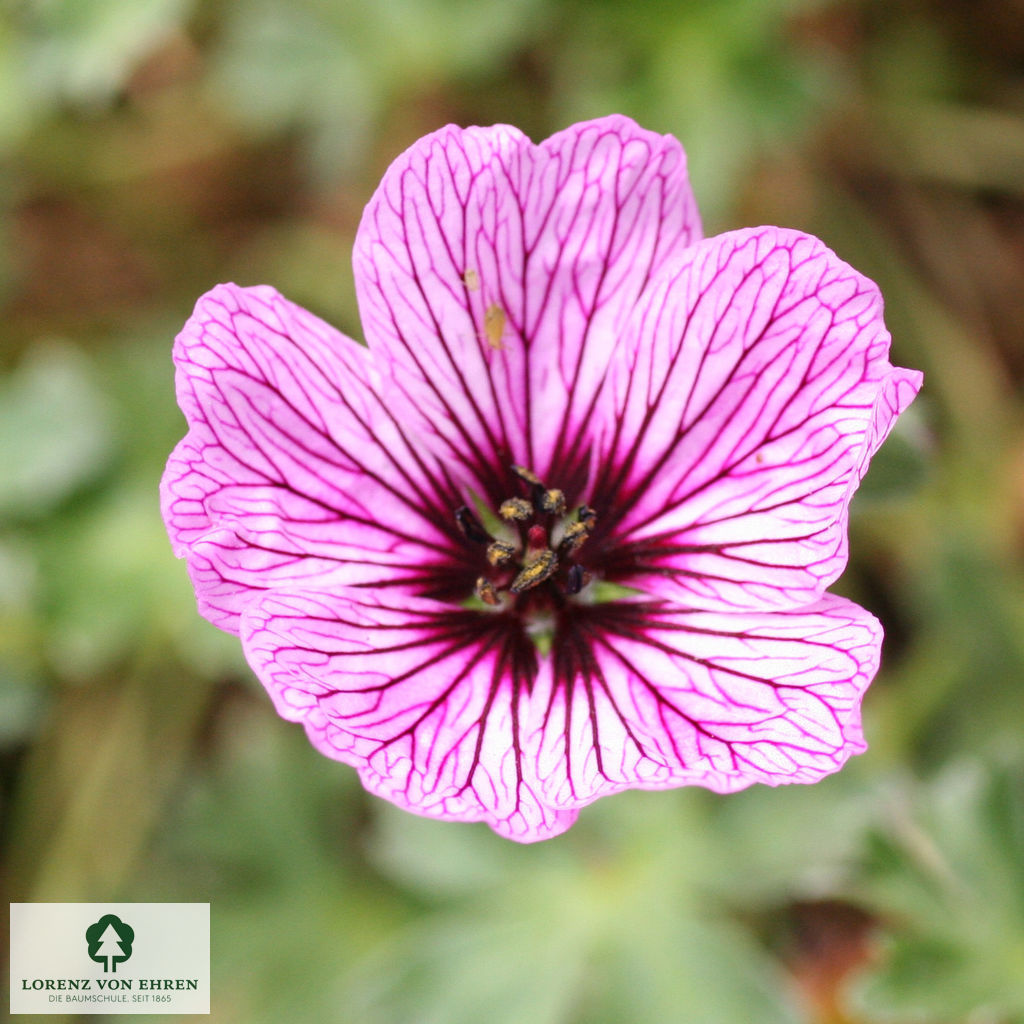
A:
[(332, 69), (945, 873), (723, 75), (84, 50), (55, 430), (621, 921)]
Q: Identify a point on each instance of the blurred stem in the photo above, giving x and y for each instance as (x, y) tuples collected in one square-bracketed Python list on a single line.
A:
[(988, 152), (98, 781)]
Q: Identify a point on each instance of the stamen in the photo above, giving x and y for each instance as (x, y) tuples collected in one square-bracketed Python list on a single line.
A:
[(576, 579), (530, 478), (533, 558), (499, 552), (516, 508), (573, 538), (527, 476), (553, 501), (536, 571), (470, 525), (486, 591)]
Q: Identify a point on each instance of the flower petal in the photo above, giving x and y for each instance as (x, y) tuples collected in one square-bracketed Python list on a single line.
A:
[(294, 469), (497, 276), (423, 699), (648, 696), (452, 714), (751, 388)]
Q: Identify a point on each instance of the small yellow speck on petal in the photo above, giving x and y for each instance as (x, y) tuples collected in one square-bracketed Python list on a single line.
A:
[(494, 325), (471, 279)]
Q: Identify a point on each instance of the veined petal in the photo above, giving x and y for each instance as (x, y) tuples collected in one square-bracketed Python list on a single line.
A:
[(294, 469), (452, 714), (898, 390), (751, 388), (496, 276), (423, 699), (645, 695)]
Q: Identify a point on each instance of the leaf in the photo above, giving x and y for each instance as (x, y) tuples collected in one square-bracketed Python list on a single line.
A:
[(946, 877), (334, 69), (612, 922), (55, 429), (84, 51)]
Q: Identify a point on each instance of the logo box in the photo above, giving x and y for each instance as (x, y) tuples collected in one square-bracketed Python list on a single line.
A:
[(110, 958)]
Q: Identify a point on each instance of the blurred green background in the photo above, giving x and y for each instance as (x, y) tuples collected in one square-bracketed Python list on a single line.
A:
[(151, 148)]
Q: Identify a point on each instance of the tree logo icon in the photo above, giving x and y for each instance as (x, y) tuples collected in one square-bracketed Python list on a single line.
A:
[(110, 942)]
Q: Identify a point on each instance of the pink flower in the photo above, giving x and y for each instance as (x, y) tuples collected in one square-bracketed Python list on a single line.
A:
[(565, 527)]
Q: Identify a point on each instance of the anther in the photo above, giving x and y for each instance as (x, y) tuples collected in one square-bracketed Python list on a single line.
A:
[(516, 508), (499, 552), (585, 514), (527, 476), (536, 571), (537, 489), (576, 579), (573, 538), (471, 527), (486, 591), (552, 501)]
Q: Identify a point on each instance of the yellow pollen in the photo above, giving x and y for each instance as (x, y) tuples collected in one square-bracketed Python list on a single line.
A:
[(553, 501), (515, 508), (486, 591), (499, 552), (574, 536), (472, 280), (537, 570), (527, 475)]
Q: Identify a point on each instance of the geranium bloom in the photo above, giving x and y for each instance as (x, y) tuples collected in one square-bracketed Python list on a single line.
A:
[(565, 526)]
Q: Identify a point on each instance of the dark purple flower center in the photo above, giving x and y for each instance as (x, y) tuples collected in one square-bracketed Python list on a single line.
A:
[(530, 552)]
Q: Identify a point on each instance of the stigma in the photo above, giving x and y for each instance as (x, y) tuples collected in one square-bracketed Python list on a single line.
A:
[(533, 563)]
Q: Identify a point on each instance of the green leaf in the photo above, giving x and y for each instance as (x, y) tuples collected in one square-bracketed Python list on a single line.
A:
[(85, 50), (614, 921), (334, 69), (946, 877), (270, 833), (55, 429)]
